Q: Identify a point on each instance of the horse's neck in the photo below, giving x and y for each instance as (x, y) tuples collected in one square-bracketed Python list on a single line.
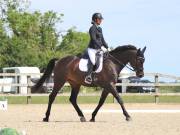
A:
[(123, 59)]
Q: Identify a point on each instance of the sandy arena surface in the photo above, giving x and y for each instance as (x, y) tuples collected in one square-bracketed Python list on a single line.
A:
[(64, 120)]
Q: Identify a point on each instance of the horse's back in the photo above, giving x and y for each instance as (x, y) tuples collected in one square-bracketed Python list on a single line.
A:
[(65, 62)]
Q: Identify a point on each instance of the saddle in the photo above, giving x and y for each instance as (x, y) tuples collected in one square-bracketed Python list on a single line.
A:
[(85, 62)]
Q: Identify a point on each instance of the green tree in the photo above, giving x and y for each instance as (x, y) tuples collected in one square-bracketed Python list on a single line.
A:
[(31, 38), (74, 42)]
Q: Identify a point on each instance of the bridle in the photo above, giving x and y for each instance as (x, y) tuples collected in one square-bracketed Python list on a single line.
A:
[(134, 69), (141, 59)]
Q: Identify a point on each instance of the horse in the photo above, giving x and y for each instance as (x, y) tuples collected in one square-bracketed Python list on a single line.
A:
[(67, 70)]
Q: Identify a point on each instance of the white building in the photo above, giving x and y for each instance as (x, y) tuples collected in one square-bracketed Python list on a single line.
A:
[(23, 79)]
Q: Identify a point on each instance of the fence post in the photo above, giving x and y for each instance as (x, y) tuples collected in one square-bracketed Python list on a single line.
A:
[(156, 89), (29, 84), (28, 89)]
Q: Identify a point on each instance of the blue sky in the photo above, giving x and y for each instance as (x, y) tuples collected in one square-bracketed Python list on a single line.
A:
[(154, 23)]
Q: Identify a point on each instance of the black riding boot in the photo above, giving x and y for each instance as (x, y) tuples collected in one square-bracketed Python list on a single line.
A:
[(88, 78)]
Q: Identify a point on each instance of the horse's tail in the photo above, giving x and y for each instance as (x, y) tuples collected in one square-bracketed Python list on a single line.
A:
[(46, 74)]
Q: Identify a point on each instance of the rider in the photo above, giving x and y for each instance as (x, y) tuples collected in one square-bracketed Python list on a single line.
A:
[(96, 43)]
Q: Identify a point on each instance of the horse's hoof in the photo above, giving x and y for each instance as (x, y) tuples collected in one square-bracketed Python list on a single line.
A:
[(45, 120), (92, 120), (83, 119), (128, 119)]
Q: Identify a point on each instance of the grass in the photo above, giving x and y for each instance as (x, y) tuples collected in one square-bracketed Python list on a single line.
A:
[(169, 99), (17, 100), (58, 100), (65, 99), (139, 99), (67, 89), (169, 89), (91, 99), (2, 98)]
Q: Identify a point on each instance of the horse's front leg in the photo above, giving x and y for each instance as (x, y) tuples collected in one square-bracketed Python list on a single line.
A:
[(114, 92), (101, 102)]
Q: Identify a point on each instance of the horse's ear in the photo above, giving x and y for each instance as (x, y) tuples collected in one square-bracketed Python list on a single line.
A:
[(139, 51), (144, 49)]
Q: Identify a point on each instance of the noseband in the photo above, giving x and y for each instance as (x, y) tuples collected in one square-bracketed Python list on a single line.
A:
[(141, 68)]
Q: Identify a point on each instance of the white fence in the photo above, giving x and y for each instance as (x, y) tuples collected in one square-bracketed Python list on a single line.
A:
[(155, 84)]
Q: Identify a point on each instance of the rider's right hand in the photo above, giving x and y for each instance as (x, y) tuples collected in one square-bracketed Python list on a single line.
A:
[(109, 49), (104, 49)]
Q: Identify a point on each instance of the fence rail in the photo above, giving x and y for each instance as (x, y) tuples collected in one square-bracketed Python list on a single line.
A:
[(154, 74), (92, 94), (118, 84), (155, 84), (122, 74)]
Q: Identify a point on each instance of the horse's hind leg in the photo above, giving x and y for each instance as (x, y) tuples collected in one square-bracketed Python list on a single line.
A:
[(57, 87), (101, 102), (73, 100)]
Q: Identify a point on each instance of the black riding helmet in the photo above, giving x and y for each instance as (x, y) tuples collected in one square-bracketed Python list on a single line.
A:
[(96, 16)]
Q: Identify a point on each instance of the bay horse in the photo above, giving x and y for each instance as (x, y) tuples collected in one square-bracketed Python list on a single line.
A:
[(67, 70)]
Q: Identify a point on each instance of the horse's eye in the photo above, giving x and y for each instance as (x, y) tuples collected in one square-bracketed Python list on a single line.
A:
[(143, 60)]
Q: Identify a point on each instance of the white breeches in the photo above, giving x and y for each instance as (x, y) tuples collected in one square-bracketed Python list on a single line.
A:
[(92, 55)]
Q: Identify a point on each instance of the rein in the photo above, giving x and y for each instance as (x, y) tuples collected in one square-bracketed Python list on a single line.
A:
[(125, 65)]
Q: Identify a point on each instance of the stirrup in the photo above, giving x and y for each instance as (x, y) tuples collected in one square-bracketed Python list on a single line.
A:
[(88, 80)]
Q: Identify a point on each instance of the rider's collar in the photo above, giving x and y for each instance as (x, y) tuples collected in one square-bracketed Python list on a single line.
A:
[(96, 25)]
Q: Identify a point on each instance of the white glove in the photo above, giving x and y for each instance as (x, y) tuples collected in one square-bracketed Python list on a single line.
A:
[(103, 49), (109, 49)]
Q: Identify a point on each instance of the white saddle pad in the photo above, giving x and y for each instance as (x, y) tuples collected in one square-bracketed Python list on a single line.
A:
[(83, 65)]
